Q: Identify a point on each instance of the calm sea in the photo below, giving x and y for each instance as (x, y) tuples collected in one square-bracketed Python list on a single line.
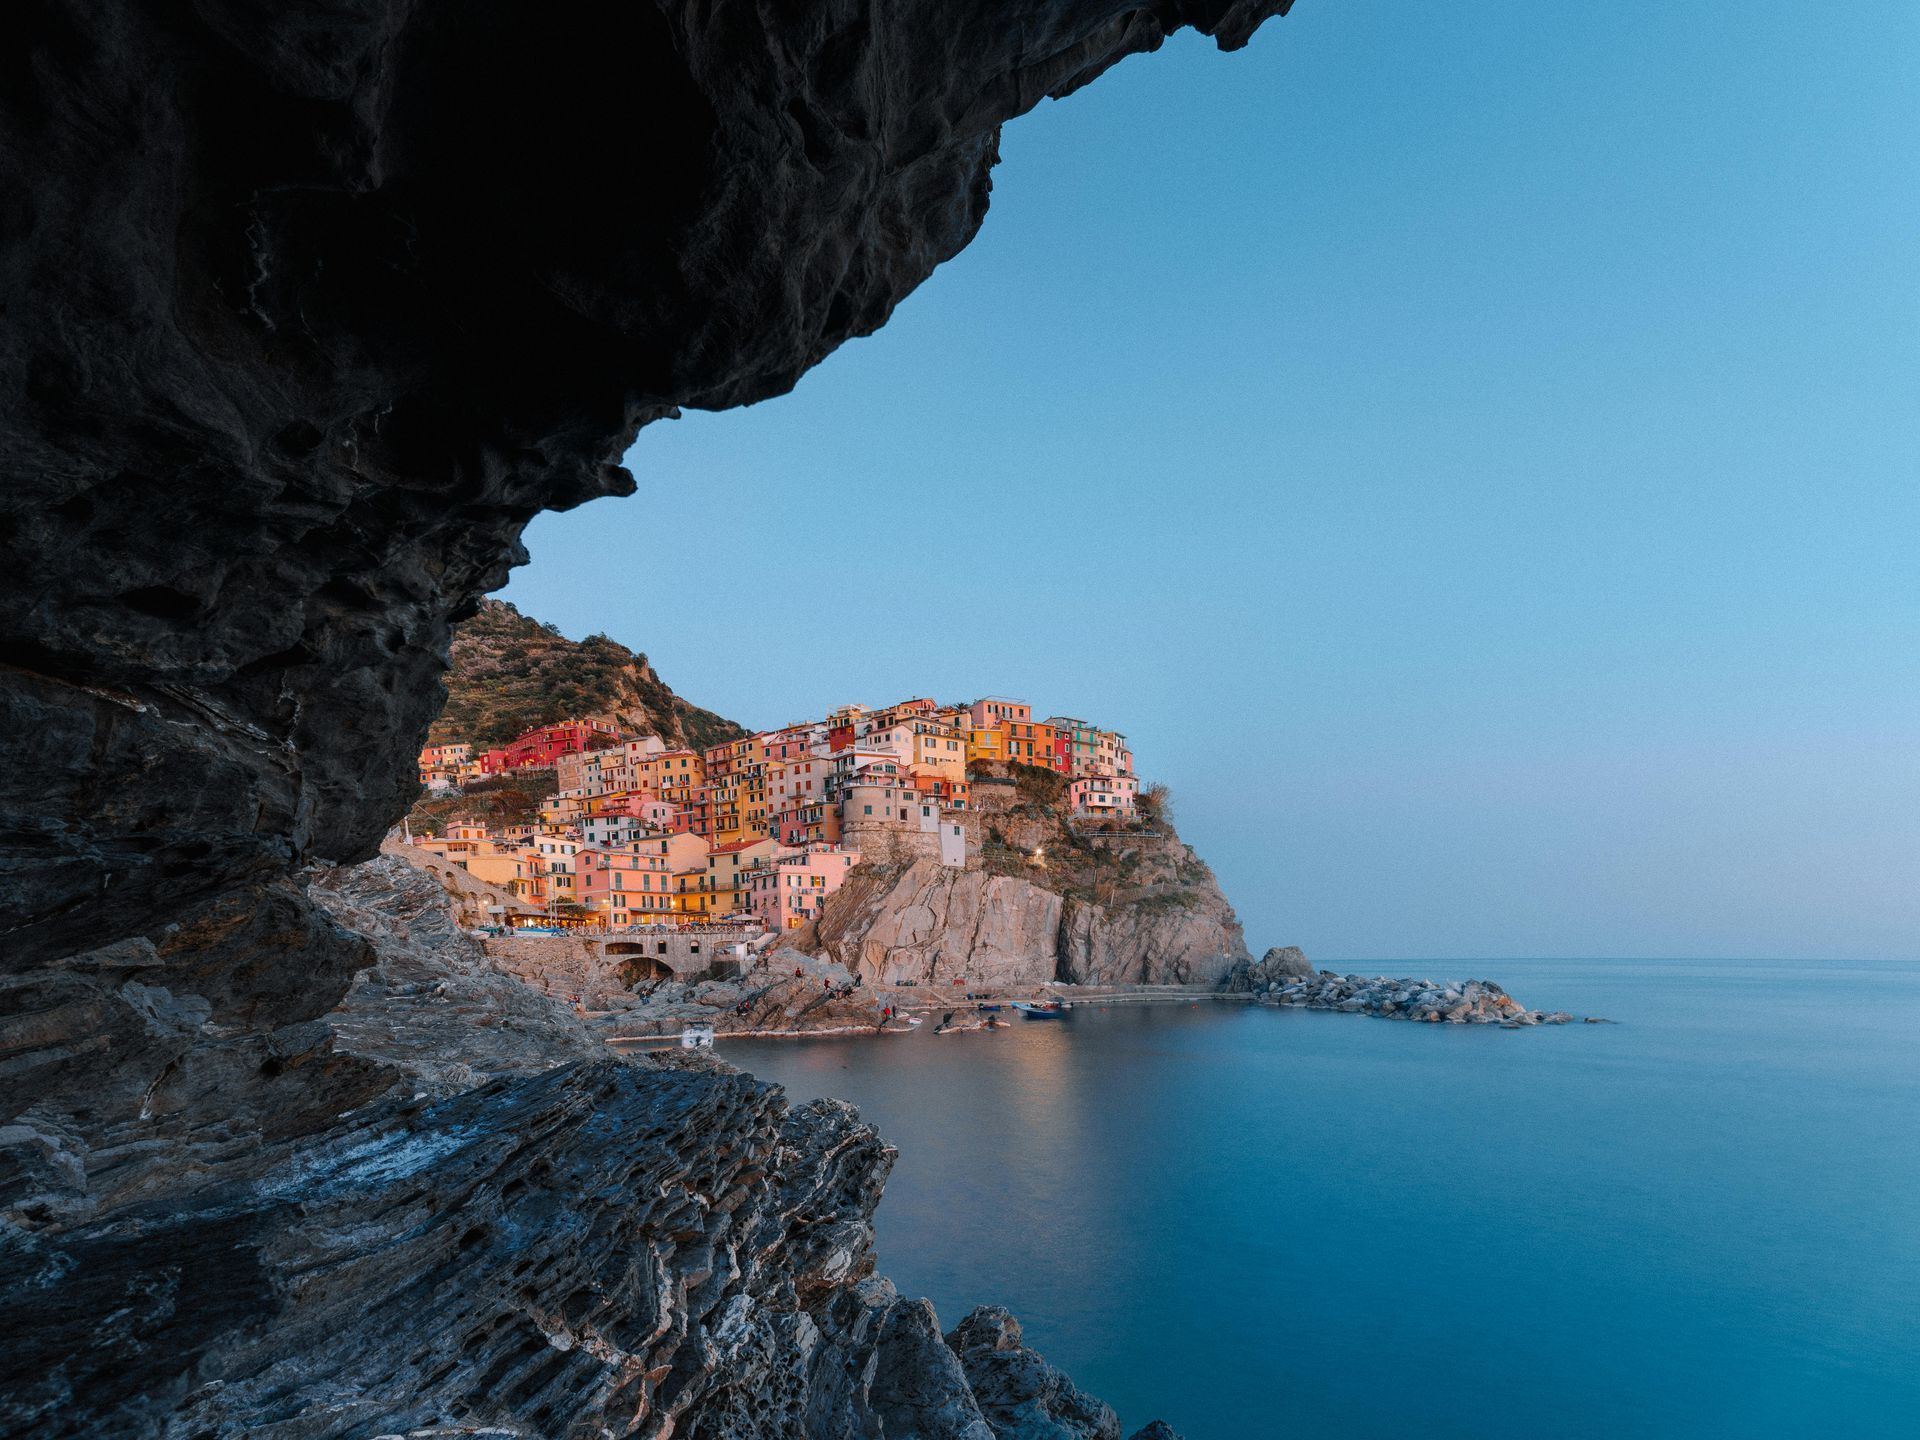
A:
[(1701, 1222)]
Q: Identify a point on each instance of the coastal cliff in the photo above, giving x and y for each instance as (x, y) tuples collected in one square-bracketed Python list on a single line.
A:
[(1037, 900)]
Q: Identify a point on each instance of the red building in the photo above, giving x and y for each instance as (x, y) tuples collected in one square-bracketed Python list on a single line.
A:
[(539, 749), (948, 794)]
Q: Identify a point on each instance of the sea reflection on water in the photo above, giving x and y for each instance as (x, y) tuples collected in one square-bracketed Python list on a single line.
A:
[(1701, 1222)]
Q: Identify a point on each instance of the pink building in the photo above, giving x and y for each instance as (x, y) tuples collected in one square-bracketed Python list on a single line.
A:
[(796, 782), (998, 709), (626, 885), (790, 892), (814, 823), (1104, 796)]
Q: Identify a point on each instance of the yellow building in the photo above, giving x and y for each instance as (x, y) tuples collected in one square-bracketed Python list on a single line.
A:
[(680, 770), (725, 814), (939, 752), (502, 868), (986, 743), (729, 868)]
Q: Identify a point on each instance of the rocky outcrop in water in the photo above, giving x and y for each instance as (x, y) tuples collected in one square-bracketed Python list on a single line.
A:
[(1022, 1396), (310, 309), (1451, 1002), (1281, 965)]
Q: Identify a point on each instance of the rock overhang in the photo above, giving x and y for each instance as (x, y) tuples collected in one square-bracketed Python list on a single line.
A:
[(310, 309)]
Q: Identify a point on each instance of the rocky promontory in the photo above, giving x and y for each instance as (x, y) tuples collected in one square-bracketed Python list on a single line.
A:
[(1040, 899)]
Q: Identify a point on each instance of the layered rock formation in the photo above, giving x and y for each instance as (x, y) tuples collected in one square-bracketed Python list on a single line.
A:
[(310, 308), (432, 1001), (1018, 1392)]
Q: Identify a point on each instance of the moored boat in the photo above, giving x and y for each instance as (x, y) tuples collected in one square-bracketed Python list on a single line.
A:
[(1052, 1010)]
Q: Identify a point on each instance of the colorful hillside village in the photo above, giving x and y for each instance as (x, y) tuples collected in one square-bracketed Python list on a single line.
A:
[(760, 830)]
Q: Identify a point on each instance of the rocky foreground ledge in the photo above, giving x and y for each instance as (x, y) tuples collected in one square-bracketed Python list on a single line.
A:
[(507, 1232), (1283, 977)]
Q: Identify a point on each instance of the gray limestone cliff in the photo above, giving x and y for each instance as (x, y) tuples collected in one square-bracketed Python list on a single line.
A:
[(1130, 908)]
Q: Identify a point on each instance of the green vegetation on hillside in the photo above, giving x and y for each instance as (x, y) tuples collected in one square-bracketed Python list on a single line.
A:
[(1023, 810), (511, 673)]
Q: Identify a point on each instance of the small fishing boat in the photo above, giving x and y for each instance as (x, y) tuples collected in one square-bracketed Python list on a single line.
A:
[(1052, 1010), (983, 1006)]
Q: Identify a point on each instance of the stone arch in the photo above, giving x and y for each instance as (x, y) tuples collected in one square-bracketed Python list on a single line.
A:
[(633, 969)]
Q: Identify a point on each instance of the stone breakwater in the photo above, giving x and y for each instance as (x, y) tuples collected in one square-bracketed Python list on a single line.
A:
[(1435, 1002)]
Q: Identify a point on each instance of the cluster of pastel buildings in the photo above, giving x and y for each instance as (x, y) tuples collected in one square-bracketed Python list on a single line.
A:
[(762, 828)]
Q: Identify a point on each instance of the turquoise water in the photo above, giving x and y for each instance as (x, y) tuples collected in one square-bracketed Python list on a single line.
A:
[(1702, 1222)]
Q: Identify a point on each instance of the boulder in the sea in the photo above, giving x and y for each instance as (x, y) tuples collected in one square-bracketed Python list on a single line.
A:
[(919, 1387), (1284, 960), (1279, 967)]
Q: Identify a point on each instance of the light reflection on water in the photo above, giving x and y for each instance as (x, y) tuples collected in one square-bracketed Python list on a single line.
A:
[(1702, 1222)]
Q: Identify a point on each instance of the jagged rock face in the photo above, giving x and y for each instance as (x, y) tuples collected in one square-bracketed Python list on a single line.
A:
[(433, 1001), (1281, 964), (310, 308), (595, 1250), (932, 924), (1179, 936), (582, 1246), (1169, 925), (1019, 1392)]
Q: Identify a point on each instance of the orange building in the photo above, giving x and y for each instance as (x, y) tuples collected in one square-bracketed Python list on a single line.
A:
[(1029, 742), (948, 793)]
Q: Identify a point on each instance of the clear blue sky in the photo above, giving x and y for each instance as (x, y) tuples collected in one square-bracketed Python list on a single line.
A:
[(1472, 450)]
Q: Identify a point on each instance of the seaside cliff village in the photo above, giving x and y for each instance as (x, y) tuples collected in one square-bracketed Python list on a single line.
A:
[(759, 830)]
